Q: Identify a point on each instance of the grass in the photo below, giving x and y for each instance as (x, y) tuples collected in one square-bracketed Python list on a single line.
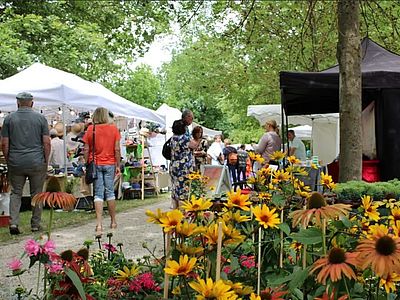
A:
[(64, 219)]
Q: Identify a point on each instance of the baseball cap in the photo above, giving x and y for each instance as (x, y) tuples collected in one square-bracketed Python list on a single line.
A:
[(24, 96)]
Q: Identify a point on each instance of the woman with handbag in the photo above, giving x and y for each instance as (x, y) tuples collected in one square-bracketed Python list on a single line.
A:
[(103, 155)]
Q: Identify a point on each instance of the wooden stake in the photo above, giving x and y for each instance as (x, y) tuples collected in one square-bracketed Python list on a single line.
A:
[(305, 250), (219, 253), (166, 277), (143, 167), (281, 236), (259, 261)]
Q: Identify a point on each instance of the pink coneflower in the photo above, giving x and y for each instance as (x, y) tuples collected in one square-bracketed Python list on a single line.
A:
[(32, 247), (49, 247), (15, 265), (109, 247), (55, 267)]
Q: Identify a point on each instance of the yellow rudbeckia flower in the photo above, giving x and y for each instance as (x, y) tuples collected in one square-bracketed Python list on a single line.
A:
[(171, 220), (127, 274), (183, 267), (266, 217), (213, 290), (239, 200), (196, 204)]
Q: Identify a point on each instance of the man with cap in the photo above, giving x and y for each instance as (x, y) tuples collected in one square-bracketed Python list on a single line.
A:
[(26, 148)]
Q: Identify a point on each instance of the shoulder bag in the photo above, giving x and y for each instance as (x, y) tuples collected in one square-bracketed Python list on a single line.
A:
[(91, 172)]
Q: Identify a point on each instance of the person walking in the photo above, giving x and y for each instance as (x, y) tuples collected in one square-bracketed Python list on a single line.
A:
[(200, 153), (182, 162), (269, 142), (26, 148), (242, 163), (105, 139)]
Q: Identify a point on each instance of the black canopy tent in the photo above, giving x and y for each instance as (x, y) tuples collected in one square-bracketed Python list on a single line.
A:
[(318, 92)]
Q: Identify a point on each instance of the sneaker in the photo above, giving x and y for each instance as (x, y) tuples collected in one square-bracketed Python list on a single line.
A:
[(36, 228), (14, 230)]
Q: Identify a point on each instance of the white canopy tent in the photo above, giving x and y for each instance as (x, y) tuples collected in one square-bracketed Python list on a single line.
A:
[(53, 88), (325, 128), (303, 132)]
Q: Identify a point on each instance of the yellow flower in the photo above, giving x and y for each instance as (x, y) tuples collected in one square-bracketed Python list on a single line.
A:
[(235, 217), (176, 290), (264, 196), (280, 176), (314, 166), (256, 157), (194, 176), (370, 210), (210, 290), (390, 282), (196, 204), (238, 200), (171, 220), (388, 203), (188, 229), (266, 217), (277, 155), (394, 216), (293, 160), (254, 297), (326, 180), (212, 234), (127, 274), (239, 288), (296, 246), (154, 217), (376, 229), (232, 235), (191, 251), (184, 267), (212, 188)]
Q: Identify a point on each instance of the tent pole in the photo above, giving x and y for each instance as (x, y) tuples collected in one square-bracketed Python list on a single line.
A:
[(64, 139)]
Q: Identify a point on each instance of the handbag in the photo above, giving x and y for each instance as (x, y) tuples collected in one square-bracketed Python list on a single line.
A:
[(91, 171)]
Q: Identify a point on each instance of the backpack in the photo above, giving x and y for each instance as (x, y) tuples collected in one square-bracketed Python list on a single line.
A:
[(166, 150), (232, 158)]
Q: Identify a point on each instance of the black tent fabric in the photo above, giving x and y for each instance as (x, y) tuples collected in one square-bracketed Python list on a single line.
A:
[(318, 92)]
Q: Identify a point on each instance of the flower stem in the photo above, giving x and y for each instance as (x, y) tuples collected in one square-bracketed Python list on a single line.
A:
[(281, 250), (38, 280), (50, 222), (324, 236), (347, 288)]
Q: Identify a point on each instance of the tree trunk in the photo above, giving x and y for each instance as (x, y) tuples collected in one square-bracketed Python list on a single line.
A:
[(349, 57)]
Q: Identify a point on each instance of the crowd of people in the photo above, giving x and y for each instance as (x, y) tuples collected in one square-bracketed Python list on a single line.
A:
[(30, 146)]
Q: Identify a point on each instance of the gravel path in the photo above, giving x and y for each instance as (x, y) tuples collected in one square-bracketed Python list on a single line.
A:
[(132, 231)]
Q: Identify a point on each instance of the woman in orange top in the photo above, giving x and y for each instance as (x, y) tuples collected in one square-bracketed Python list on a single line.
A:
[(107, 160)]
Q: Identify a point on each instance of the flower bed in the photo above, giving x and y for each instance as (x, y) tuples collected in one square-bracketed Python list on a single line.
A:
[(282, 241)]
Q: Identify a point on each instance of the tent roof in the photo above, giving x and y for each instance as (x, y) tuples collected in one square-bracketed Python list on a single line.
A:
[(53, 88), (318, 92)]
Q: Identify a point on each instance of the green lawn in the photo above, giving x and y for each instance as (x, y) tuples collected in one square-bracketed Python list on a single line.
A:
[(63, 219)]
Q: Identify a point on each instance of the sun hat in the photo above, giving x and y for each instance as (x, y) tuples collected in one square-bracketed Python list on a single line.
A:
[(59, 127), (24, 96)]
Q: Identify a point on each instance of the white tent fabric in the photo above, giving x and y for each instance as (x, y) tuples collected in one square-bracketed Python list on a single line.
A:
[(54, 88), (325, 133), (303, 132)]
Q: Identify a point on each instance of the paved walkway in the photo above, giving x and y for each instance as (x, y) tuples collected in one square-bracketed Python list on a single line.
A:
[(132, 231)]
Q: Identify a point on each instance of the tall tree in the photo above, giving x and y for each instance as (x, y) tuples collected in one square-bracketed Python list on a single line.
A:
[(349, 57)]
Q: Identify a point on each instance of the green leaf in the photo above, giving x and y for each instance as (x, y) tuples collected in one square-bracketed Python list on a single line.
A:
[(298, 293), (278, 200), (346, 222), (299, 276), (280, 280), (309, 236), (285, 228), (76, 281)]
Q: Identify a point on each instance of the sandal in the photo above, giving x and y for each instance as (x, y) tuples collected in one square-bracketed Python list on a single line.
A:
[(113, 225), (99, 230)]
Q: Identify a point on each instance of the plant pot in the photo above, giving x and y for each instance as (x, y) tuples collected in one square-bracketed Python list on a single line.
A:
[(4, 221)]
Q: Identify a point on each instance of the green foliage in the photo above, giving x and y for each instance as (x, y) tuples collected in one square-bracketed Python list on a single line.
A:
[(309, 236), (354, 190)]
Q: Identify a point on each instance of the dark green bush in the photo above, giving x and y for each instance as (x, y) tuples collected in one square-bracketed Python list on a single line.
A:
[(354, 190)]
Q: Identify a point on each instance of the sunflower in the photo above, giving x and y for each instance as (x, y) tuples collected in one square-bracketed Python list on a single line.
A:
[(232, 235), (334, 264), (171, 220), (280, 176), (381, 251), (266, 217), (293, 160), (326, 181), (317, 207), (236, 217), (183, 267), (394, 216), (370, 210), (198, 204), (188, 229), (191, 251), (277, 155), (154, 217), (389, 283), (212, 290), (127, 274), (256, 157), (239, 288), (211, 234), (54, 197), (238, 200)]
